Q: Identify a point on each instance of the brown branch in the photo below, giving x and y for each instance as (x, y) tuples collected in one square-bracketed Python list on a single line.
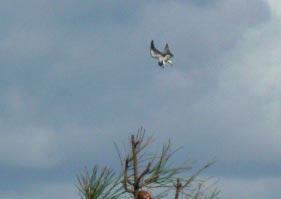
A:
[(134, 144), (178, 189), (147, 169), (125, 180)]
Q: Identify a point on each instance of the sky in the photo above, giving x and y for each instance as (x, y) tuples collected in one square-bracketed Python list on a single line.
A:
[(77, 76)]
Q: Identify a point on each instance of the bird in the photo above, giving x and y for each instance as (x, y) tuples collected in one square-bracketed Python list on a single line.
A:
[(162, 57)]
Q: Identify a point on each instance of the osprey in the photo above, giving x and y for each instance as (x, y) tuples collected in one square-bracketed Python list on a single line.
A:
[(162, 57)]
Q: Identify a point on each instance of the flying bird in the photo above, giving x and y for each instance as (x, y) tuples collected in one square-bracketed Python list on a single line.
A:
[(162, 57)]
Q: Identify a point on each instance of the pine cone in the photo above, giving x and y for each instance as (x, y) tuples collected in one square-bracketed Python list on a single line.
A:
[(144, 195)]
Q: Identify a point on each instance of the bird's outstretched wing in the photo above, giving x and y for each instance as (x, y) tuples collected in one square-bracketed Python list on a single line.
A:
[(155, 53), (167, 51)]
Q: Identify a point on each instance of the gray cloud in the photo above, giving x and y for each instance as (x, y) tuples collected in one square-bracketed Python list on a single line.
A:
[(250, 188), (238, 116), (27, 147), (43, 191), (78, 74)]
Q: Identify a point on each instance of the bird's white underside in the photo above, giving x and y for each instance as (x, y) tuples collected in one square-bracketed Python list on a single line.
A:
[(160, 58)]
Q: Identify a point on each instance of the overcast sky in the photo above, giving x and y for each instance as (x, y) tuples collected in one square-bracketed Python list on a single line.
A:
[(77, 75)]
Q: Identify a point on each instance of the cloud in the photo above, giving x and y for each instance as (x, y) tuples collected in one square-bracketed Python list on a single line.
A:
[(27, 147), (236, 114), (43, 191), (77, 76), (86, 87), (275, 6), (193, 32), (258, 188), (46, 148)]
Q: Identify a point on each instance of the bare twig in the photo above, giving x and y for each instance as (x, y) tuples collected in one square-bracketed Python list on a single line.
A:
[(178, 189), (125, 180)]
